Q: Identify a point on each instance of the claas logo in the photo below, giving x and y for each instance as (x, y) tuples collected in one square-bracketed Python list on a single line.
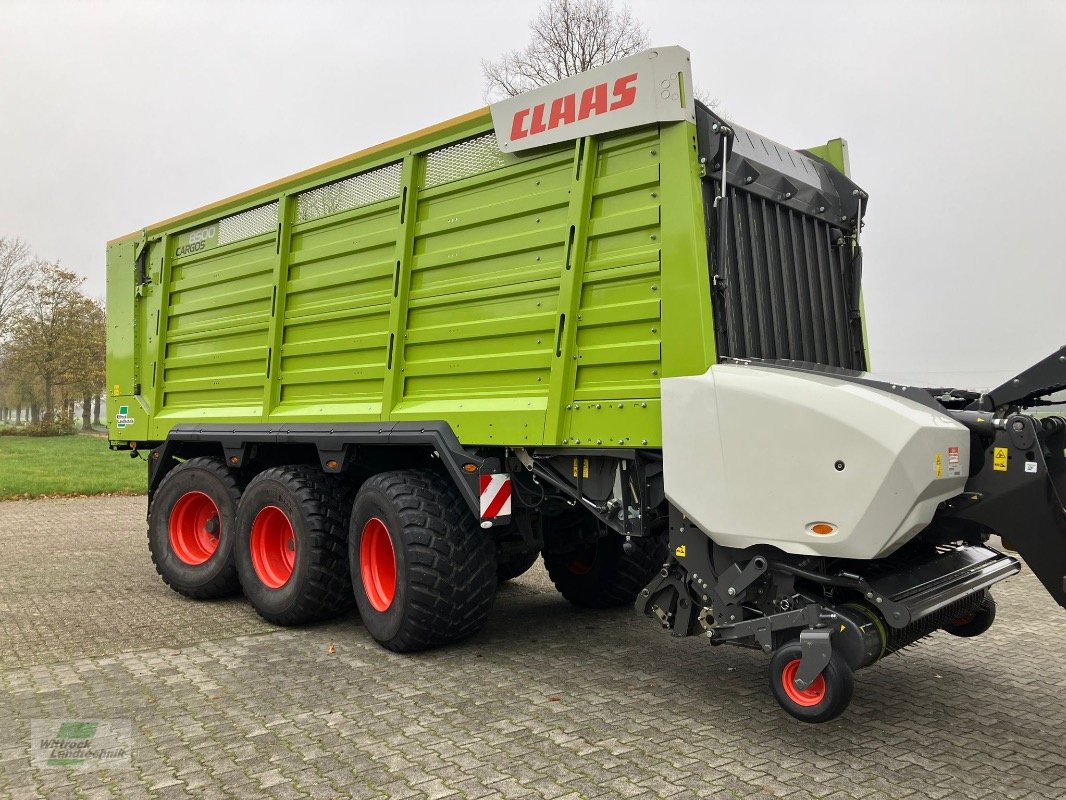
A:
[(569, 108)]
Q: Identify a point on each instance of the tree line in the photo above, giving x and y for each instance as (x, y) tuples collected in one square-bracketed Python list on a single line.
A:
[(52, 343)]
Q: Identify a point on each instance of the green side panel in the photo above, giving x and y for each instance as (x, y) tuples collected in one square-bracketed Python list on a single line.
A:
[(619, 345), (121, 285), (123, 324), (688, 328), (482, 294), (522, 299), (218, 311), (339, 281), (618, 349)]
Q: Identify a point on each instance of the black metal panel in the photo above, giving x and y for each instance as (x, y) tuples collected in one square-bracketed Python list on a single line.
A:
[(1029, 387), (333, 440), (898, 638), (794, 178), (1023, 499), (783, 283)]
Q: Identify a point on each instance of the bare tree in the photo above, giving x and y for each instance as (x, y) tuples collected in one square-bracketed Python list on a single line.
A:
[(566, 37), (18, 269)]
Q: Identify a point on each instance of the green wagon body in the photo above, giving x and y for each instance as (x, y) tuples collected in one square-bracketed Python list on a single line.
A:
[(522, 299)]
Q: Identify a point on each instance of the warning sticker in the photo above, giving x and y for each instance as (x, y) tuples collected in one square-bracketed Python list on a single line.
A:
[(939, 465), (999, 459), (1030, 466), (680, 551), (953, 455)]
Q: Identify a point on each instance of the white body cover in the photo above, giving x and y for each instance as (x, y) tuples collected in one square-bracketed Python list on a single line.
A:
[(751, 455)]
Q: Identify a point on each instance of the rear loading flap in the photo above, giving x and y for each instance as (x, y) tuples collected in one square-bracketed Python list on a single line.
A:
[(785, 261)]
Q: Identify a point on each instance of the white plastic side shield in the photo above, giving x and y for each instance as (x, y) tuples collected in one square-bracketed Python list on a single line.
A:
[(652, 86), (811, 464)]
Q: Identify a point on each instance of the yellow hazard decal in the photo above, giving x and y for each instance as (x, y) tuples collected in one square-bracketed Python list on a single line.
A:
[(117, 390), (999, 459), (680, 551), (584, 469), (939, 465)]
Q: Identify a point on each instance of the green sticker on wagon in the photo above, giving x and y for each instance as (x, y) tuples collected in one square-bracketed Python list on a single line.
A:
[(123, 418)]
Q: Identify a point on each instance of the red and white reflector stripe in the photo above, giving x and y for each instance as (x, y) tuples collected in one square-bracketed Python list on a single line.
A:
[(495, 496)]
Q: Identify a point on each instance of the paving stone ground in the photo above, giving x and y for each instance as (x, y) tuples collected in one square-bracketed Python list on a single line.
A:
[(549, 701)]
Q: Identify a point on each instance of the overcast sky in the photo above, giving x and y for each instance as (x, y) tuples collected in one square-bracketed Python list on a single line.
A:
[(114, 115)]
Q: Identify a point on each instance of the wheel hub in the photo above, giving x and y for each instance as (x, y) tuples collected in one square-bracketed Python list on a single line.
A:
[(273, 546), (194, 528), (377, 564), (811, 696)]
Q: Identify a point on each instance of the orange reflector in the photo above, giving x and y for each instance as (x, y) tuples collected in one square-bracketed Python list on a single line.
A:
[(822, 528), (331, 464), (234, 460), (469, 468)]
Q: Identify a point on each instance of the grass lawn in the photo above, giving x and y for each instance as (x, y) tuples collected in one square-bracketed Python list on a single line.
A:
[(35, 466)]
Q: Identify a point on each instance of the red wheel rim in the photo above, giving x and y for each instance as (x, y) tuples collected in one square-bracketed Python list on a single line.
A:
[(377, 564), (195, 527), (273, 546), (811, 696), (582, 564)]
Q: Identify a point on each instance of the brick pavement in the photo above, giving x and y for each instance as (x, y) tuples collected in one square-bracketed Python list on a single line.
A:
[(549, 701)]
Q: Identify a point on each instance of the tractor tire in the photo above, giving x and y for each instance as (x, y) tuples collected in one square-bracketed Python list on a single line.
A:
[(825, 699), (290, 549), (423, 571), (602, 575), (976, 622), (192, 528), (511, 565)]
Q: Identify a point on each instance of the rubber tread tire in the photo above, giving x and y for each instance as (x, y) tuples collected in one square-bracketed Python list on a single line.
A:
[(615, 578), (216, 577), (445, 563), (514, 564), (983, 617), (318, 507), (839, 685)]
